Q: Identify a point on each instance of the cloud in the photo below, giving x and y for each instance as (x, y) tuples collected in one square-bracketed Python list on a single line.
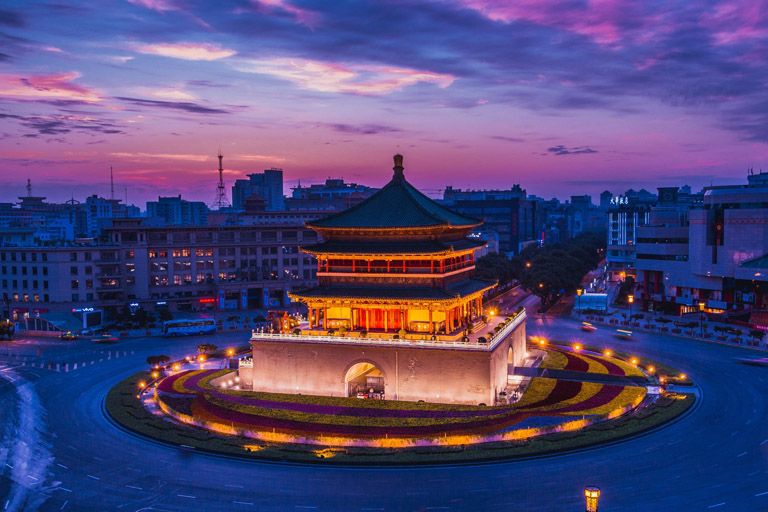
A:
[(303, 16), (47, 87), (562, 150), (163, 156), (61, 124), (361, 129), (11, 19), (167, 94), (206, 83), (322, 76), (174, 105), (257, 158), (155, 5), (185, 51), (507, 139)]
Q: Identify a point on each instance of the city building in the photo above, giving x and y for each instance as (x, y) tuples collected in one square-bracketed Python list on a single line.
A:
[(709, 254), (333, 195), (393, 310), (623, 220), (175, 211), (268, 185), (181, 268), (509, 213)]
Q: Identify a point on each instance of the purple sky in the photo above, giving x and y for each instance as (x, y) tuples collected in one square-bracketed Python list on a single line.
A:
[(561, 97)]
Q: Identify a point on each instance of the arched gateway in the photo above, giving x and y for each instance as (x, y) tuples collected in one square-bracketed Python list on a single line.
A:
[(396, 284), (364, 380)]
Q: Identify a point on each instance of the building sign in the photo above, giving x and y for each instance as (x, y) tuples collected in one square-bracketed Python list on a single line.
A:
[(82, 310), (619, 200), (161, 303)]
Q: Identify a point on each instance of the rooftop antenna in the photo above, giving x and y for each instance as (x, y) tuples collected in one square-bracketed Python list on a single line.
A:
[(29, 187), (221, 193), (111, 184)]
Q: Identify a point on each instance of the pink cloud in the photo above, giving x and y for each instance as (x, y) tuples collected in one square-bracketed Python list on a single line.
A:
[(595, 19), (735, 21), (47, 87), (186, 51), (155, 5), (302, 16), (342, 78)]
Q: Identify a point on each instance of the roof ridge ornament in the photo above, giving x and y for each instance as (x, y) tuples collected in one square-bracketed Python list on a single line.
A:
[(398, 168)]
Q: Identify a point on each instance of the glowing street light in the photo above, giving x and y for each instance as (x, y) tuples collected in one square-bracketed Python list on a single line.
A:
[(608, 353), (577, 347), (142, 384), (634, 361), (592, 494), (527, 264), (578, 295), (154, 375), (176, 367), (230, 352), (651, 369)]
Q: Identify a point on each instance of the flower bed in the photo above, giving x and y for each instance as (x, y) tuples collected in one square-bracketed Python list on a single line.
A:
[(564, 358), (190, 397)]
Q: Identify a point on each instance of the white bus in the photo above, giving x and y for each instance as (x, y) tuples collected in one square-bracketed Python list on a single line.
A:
[(188, 327)]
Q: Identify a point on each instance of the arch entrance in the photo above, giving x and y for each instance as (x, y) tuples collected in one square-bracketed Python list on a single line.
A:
[(364, 380)]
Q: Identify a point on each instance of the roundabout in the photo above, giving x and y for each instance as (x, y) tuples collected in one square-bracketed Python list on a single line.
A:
[(582, 398), (715, 455)]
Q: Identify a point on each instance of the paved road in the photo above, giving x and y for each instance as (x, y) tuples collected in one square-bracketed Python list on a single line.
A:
[(715, 459)]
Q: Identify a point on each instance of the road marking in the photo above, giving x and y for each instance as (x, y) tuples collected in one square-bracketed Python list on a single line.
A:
[(761, 494), (134, 469), (62, 466), (305, 506), (243, 502), (717, 505), (64, 505), (134, 487), (748, 422), (766, 441), (185, 496), (33, 478), (364, 508), (64, 489), (94, 477), (235, 486), (741, 454)]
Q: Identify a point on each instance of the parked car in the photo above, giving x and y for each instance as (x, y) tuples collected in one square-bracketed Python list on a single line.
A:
[(69, 335)]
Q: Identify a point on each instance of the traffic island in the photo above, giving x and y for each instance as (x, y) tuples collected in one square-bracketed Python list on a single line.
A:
[(196, 409)]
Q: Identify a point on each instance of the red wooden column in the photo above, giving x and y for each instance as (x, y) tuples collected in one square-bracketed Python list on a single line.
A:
[(431, 325)]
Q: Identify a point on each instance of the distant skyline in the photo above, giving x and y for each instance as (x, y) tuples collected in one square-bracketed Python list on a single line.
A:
[(564, 98)]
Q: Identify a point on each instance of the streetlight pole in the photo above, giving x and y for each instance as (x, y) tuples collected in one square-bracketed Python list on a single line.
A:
[(592, 495), (630, 299), (701, 318), (578, 299)]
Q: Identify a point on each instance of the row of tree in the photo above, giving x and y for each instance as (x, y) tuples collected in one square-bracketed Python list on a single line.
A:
[(548, 271)]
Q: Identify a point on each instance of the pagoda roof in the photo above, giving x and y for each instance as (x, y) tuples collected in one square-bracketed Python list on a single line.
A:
[(461, 289), (373, 248), (397, 205)]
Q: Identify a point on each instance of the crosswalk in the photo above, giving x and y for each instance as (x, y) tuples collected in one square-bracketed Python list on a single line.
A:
[(60, 366)]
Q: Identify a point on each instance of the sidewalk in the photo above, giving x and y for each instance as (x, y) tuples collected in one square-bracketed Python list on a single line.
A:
[(650, 323)]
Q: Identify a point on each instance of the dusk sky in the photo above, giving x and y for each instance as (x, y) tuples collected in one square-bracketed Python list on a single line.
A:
[(561, 97)]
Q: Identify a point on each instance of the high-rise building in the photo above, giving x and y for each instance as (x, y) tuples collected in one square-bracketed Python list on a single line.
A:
[(175, 211), (510, 213), (268, 185)]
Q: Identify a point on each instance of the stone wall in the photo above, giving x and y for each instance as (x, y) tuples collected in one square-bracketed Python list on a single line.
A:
[(433, 375)]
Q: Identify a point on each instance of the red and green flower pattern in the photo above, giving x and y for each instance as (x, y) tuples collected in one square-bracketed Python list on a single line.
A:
[(190, 392)]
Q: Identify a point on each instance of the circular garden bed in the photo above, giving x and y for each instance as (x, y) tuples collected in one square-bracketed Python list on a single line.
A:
[(553, 415)]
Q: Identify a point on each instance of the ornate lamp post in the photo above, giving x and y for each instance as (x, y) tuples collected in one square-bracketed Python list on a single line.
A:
[(592, 494)]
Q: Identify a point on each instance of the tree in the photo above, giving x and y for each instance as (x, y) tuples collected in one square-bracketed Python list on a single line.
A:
[(163, 314), (206, 347), (155, 360)]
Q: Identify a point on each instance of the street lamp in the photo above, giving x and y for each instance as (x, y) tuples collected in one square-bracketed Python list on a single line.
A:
[(701, 318), (592, 494), (630, 299), (578, 295)]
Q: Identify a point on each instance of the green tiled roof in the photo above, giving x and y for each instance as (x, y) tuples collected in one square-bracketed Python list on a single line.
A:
[(433, 247), (461, 289), (397, 205)]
